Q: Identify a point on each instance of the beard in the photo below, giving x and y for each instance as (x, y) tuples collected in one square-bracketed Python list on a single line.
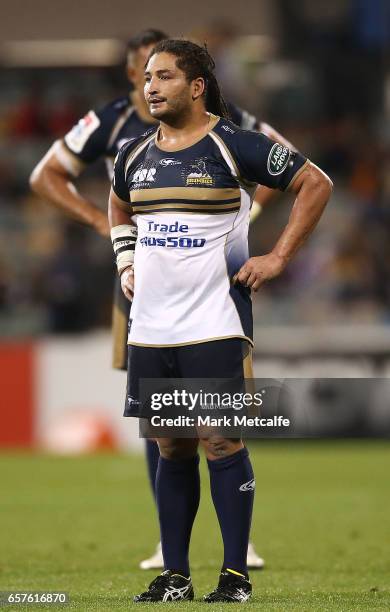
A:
[(173, 111)]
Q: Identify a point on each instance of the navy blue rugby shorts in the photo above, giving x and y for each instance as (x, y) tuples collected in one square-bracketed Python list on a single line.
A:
[(228, 358)]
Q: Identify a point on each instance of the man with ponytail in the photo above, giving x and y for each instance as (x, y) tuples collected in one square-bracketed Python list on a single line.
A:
[(100, 134), (191, 184)]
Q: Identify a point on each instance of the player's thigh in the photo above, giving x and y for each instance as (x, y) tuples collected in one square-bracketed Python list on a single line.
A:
[(229, 358), (144, 362)]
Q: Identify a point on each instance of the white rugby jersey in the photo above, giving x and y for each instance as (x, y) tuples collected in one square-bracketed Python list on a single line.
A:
[(192, 210), (101, 134)]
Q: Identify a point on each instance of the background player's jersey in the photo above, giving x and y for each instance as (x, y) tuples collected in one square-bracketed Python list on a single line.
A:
[(192, 209), (102, 133)]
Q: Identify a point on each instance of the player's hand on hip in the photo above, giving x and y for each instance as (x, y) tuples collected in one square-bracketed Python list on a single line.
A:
[(258, 270), (127, 282)]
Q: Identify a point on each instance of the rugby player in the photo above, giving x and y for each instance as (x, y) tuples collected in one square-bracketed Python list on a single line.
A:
[(100, 134), (191, 279)]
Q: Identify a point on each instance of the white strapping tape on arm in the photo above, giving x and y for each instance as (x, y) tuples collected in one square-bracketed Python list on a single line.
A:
[(123, 239)]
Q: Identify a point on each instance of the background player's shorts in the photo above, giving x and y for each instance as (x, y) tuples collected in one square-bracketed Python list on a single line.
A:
[(226, 358), (120, 320)]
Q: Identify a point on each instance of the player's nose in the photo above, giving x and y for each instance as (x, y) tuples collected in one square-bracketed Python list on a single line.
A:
[(153, 86)]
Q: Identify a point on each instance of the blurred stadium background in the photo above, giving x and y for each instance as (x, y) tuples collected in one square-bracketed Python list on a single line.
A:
[(318, 72)]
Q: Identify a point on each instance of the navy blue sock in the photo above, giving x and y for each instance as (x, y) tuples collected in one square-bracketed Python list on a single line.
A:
[(152, 457), (177, 494), (232, 490)]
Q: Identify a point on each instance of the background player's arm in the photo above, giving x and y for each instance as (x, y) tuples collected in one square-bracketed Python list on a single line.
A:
[(263, 195), (120, 214), (54, 183), (313, 189), (269, 131)]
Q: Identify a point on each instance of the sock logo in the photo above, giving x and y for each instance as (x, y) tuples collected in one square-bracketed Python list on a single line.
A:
[(248, 486)]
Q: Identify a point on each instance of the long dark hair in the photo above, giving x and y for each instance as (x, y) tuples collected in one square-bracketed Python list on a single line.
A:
[(195, 61)]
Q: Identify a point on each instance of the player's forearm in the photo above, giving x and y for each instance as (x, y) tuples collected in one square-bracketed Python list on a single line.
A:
[(55, 187), (124, 238), (313, 191)]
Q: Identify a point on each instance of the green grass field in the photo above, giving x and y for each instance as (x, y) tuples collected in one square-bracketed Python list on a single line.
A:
[(322, 518)]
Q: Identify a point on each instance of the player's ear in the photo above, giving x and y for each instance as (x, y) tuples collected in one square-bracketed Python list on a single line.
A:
[(198, 87)]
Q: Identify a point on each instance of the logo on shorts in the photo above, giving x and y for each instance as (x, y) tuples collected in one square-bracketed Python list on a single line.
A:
[(131, 401), (278, 159), (248, 486)]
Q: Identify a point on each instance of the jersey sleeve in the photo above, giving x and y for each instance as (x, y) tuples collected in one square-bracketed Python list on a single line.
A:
[(119, 184), (266, 162), (88, 139)]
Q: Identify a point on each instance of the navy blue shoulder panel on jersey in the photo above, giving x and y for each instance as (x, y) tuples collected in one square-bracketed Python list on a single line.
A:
[(257, 158)]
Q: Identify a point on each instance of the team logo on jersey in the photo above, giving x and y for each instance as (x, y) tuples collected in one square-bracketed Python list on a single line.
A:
[(278, 159), (168, 161), (198, 174), (79, 134)]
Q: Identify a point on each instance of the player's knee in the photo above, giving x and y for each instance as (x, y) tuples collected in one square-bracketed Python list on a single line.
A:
[(217, 447), (175, 448)]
